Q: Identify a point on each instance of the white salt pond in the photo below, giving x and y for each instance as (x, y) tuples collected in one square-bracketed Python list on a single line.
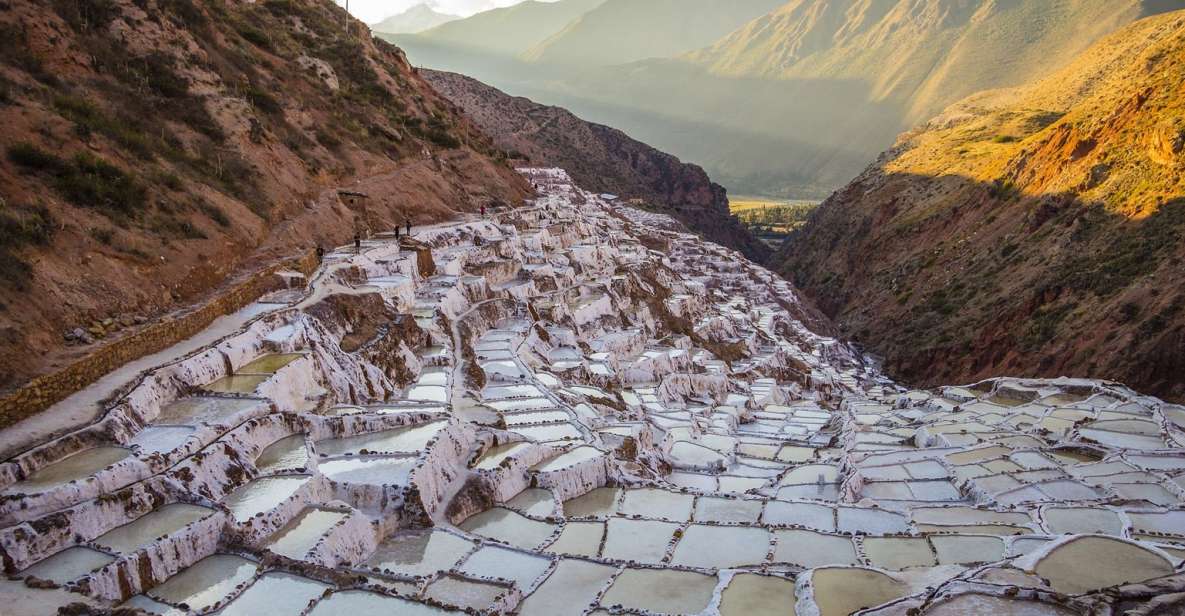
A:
[(263, 494), (299, 536), (76, 466), (369, 470), (150, 526), (208, 582), (401, 440)]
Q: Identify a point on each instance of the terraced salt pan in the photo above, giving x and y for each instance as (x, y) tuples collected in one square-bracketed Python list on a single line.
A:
[(838, 466), (1073, 567), (72, 468), (151, 526), (269, 364), (464, 592), (290, 452), (263, 494), (420, 552), (208, 410), (275, 593), (68, 565), (237, 384), (299, 536), (664, 591), (369, 470), (402, 440), (207, 583), (366, 603), (509, 527), (496, 455)]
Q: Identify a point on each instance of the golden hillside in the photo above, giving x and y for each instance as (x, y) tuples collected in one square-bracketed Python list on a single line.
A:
[(1035, 230)]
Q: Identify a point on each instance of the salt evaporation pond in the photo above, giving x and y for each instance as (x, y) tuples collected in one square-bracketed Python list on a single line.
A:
[(401, 440), (299, 536), (263, 494), (652, 476), (71, 468), (146, 528)]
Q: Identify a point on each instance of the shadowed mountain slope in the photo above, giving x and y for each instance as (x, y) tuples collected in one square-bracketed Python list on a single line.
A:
[(601, 158)]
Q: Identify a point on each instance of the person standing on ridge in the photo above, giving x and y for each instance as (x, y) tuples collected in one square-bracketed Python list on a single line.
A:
[(396, 231), (483, 211), (358, 242), (407, 223)]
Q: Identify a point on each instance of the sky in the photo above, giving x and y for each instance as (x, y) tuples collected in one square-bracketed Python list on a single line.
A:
[(371, 11)]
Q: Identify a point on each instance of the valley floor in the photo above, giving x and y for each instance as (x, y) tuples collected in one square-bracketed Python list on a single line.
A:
[(579, 408)]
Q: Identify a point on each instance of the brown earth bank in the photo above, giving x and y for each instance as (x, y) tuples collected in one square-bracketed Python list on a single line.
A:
[(153, 149), (600, 158), (1034, 231)]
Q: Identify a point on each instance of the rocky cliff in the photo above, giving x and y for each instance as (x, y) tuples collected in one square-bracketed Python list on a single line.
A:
[(1038, 230), (153, 149), (601, 158)]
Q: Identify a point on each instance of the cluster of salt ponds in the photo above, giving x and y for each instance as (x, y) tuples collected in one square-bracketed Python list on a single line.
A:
[(611, 465)]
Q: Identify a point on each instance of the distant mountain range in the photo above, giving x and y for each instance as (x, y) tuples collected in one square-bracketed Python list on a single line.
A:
[(416, 19), (779, 98)]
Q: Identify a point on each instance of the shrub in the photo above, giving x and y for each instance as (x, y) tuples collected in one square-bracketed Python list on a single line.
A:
[(87, 15), (263, 101), (214, 213), (32, 157), (103, 235), (88, 118), (19, 227), (94, 182), (255, 37)]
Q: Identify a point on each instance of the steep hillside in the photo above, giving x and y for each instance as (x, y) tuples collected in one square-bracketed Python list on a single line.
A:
[(620, 31), (601, 158), (416, 19), (153, 149), (1039, 230), (508, 31)]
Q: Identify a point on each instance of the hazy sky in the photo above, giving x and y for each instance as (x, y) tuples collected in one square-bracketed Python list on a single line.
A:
[(371, 11)]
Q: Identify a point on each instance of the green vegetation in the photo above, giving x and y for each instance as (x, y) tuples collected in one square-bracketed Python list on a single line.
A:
[(771, 220), (85, 180), (21, 226), (1135, 250), (89, 119)]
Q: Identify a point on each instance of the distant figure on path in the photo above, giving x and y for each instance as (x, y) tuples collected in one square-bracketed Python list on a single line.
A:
[(358, 242), (483, 211), (407, 223), (320, 252)]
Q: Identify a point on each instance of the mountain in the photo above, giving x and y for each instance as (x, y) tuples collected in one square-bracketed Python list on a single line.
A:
[(506, 31), (621, 31), (1036, 230), (151, 155), (600, 158), (830, 84), (416, 19), (796, 102)]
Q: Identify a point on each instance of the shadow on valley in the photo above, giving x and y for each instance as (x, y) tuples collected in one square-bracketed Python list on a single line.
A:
[(796, 138), (954, 280)]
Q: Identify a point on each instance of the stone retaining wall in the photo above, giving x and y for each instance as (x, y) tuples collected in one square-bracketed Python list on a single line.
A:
[(45, 391)]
